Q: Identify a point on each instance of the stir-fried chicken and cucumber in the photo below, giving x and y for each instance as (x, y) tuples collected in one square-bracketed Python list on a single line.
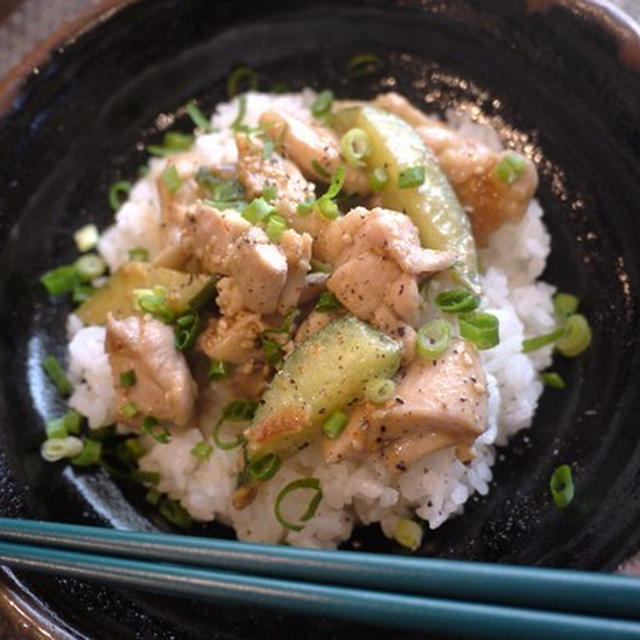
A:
[(312, 314)]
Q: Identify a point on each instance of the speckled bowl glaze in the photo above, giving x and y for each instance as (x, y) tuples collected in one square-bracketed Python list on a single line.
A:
[(559, 80)]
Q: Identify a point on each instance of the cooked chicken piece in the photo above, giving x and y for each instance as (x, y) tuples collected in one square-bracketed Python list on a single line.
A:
[(471, 168), (211, 236), (437, 404), (388, 233), (313, 323), (174, 204), (314, 284), (311, 146), (233, 339), (386, 319), (257, 173), (249, 380), (297, 251), (163, 385)]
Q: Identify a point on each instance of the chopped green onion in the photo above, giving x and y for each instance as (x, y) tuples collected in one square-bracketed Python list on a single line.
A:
[(380, 390), (153, 497), (226, 445), (379, 178), (305, 207), (328, 208), (272, 350), (321, 106), (268, 147), (171, 179), (226, 190), (202, 450), (364, 64), (81, 293), (297, 485), (576, 337), (90, 454), (218, 369), (56, 429), (204, 296), (276, 226), (221, 205), (334, 425), (86, 238), (264, 468), (236, 125), (327, 302), (72, 421), (172, 511), (257, 210), (152, 427), (90, 266), (411, 177), (61, 280), (128, 378), (457, 301), (337, 181), (173, 142), (510, 167), (320, 267), (408, 533), (139, 253), (152, 301), (198, 118), (553, 380), (319, 169), (240, 410), (537, 342), (187, 329), (58, 448), (561, 486), (269, 193), (241, 74), (355, 146), (130, 409), (564, 305), (56, 373), (433, 338), (480, 328), (118, 193), (131, 449)]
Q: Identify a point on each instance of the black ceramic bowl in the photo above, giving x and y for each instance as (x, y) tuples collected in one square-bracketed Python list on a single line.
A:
[(557, 79)]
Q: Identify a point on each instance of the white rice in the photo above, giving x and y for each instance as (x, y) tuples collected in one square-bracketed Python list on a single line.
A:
[(435, 487)]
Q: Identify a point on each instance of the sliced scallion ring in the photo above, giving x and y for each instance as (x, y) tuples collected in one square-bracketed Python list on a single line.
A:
[(171, 179), (321, 106), (576, 337), (564, 305), (90, 266), (411, 177), (537, 342), (408, 533), (118, 193), (561, 486), (57, 374), (152, 427), (480, 328), (380, 390), (511, 167), (297, 485), (379, 178), (334, 425), (242, 74), (355, 146), (197, 117), (90, 454), (364, 64), (553, 380), (59, 448), (264, 468), (433, 338), (86, 238), (457, 301)]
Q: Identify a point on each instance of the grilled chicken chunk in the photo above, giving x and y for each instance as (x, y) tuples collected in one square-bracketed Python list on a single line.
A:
[(314, 148), (378, 259), (471, 168), (437, 404), (233, 339), (163, 385)]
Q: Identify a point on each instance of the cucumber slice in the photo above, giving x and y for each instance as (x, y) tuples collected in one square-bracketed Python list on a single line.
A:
[(324, 373), (433, 206)]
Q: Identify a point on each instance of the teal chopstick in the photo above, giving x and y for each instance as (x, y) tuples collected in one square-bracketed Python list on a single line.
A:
[(403, 611), (575, 591)]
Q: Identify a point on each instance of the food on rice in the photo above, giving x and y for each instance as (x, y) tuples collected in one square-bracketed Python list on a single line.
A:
[(296, 337)]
